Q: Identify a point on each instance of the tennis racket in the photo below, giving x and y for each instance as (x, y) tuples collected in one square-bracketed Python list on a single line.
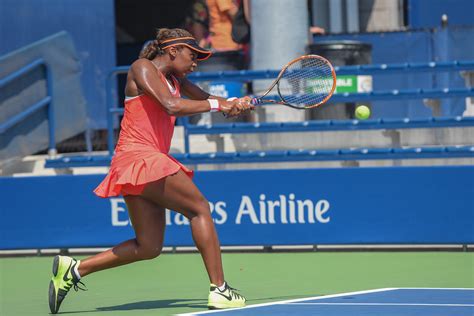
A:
[(305, 82)]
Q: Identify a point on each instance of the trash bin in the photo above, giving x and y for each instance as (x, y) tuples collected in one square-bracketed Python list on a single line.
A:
[(342, 53)]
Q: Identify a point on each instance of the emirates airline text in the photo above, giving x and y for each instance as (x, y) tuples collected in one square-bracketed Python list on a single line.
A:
[(285, 209)]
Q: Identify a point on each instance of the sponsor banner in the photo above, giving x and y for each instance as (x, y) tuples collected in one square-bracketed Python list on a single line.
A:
[(353, 84), (344, 84), (409, 205)]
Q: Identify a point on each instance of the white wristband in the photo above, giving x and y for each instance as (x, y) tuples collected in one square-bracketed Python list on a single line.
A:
[(214, 105)]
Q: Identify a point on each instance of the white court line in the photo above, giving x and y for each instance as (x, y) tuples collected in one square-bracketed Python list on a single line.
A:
[(291, 301), (386, 304), (324, 297)]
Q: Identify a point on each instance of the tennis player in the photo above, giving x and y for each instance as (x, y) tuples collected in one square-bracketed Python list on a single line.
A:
[(148, 177)]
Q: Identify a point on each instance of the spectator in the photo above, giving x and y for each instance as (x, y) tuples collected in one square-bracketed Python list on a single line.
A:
[(317, 30), (241, 23), (241, 28), (221, 15), (197, 22)]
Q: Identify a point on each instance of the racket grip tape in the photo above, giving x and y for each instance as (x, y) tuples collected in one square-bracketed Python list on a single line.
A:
[(255, 101)]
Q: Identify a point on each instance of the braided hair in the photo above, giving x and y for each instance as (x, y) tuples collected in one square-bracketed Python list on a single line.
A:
[(152, 48)]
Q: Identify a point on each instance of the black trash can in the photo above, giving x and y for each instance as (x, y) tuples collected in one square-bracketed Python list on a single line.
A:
[(342, 53)]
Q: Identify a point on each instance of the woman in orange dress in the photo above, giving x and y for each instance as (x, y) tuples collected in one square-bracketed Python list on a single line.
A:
[(148, 177)]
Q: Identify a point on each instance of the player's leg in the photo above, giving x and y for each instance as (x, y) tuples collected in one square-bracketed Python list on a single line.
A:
[(179, 193), (148, 220), (149, 224)]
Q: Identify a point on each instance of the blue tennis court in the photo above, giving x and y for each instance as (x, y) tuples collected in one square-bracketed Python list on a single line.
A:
[(387, 302)]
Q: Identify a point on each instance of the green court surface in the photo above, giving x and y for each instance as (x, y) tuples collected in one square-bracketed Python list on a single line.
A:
[(177, 283)]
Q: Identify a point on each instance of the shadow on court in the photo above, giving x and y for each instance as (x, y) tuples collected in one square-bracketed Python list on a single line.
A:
[(194, 303), (280, 298), (147, 305), (176, 303)]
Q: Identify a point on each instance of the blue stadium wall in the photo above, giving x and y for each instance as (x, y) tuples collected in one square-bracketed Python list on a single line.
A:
[(90, 23), (427, 13), (410, 205)]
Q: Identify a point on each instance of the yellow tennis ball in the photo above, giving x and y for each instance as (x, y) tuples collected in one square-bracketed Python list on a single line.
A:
[(362, 112)]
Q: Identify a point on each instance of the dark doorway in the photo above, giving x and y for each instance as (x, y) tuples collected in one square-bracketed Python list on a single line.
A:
[(137, 20)]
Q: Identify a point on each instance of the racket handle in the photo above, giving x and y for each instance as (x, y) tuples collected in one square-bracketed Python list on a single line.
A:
[(256, 101)]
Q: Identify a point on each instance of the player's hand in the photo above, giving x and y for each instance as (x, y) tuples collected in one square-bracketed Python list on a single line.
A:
[(227, 107), (246, 103), (236, 107)]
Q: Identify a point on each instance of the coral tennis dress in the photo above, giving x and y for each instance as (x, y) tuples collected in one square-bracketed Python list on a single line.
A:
[(141, 155)]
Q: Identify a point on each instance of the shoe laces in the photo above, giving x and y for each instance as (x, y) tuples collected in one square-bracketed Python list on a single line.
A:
[(233, 292), (75, 285)]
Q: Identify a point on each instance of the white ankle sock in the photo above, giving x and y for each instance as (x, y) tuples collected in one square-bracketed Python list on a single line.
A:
[(222, 287)]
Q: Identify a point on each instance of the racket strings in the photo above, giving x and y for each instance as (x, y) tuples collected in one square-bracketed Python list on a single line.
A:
[(306, 82)]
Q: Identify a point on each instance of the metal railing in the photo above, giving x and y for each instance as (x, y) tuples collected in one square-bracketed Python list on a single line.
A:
[(248, 75), (295, 155), (45, 102)]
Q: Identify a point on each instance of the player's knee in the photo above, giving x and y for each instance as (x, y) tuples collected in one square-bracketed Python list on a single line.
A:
[(149, 252), (201, 206)]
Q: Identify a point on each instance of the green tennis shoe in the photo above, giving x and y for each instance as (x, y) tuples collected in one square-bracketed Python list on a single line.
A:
[(62, 281), (228, 298)]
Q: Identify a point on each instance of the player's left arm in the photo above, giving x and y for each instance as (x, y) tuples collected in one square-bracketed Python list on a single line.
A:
[(193, 92)]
